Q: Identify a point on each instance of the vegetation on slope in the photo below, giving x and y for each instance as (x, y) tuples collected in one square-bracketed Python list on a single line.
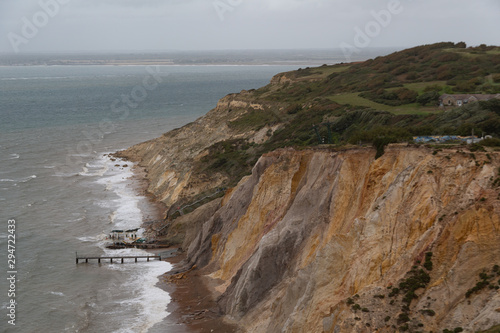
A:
[(383, 100)]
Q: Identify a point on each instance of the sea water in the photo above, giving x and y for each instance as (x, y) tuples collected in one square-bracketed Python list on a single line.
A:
[(65, 194)]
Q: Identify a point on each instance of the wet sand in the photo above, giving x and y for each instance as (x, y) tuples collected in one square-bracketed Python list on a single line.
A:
[(193, 305)]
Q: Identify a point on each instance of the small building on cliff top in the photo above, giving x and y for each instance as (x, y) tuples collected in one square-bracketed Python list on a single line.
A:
[(461, 99)]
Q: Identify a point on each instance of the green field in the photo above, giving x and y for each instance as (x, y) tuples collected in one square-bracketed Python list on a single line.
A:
[(355, 100), (420, 86)]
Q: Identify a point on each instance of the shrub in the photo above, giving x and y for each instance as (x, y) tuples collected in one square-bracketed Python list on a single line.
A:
[(430, 97), (406, 96), (394, 292), (428, 312), (403, 318), (433, 87), (428, 261), (490, 142)]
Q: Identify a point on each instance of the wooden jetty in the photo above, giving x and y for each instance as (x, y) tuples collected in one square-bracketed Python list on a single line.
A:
[(116, 258)]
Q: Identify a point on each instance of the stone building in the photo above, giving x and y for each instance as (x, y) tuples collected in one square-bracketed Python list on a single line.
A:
[(462, 99)]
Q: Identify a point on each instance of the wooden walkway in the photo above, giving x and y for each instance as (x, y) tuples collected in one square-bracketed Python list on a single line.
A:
[(110, 259)]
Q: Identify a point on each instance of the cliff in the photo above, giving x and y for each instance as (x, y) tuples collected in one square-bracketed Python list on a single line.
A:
[(173, 161), (323, 239), (318, 241)]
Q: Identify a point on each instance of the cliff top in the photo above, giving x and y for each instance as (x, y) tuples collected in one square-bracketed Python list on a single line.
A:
[(383, 100)]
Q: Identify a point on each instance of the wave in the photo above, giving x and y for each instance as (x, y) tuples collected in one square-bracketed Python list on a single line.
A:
[(27, 179), (36, 78), (152, 300), (56, 293), (22, 180), (14, 156), (98, 169)]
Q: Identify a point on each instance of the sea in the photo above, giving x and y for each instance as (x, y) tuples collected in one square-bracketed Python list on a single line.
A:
[(61, 194)]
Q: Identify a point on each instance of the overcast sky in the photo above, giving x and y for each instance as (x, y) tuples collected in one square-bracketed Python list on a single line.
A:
[(163, 25)]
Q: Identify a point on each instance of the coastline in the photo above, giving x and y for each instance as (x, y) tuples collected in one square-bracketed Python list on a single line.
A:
[(193, 307)]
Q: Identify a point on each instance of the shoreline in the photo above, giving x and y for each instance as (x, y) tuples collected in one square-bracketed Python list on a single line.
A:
[(192, 307)]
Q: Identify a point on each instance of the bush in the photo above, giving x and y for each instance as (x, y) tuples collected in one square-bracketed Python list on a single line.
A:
[(428, 312), (491, 142), (430, 97), (428, 262), (394, 292), (433, 88), (403, 318), (381, 142), (397, 97), (406, 96)]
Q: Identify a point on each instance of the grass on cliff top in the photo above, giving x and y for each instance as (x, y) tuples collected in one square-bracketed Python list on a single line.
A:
[(319, 72), (443, 65), (323, 105), (355, 100)]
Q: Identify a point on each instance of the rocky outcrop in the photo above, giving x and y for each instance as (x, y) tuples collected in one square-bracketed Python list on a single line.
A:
[(319, 241)]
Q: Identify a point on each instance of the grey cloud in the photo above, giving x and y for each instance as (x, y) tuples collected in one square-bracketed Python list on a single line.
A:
[(90, 25)]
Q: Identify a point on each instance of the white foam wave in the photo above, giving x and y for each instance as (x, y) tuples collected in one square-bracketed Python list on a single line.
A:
[(150, 300), (27, 179), (22, 180), (85, 172), (35, 78), (154, 300), (116, 179), (78, 219), (98, 169), (87, 239), (56, 293), (14, 156)]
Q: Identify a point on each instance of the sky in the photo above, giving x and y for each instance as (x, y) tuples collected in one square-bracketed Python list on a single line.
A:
[(28, 26)]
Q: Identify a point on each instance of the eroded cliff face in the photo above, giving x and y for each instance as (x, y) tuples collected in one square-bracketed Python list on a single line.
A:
[(313, 235), (171, 160)]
